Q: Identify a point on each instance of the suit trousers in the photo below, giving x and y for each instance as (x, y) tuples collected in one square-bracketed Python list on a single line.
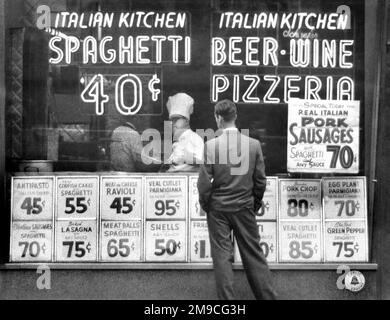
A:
[(243, 223)]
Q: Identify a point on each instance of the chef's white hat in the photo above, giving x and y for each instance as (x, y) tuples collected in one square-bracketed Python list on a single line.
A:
[(180, 104)]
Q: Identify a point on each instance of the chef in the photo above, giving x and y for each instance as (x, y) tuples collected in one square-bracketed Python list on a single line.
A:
[(187, 147)]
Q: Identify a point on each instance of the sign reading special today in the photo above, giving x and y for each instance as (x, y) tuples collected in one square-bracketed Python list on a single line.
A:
[(77, 197), (345, 216), (323, 136), (300, 221), (166, 197)]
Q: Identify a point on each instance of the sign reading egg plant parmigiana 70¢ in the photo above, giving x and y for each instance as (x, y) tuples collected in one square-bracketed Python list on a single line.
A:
[(32, 219)]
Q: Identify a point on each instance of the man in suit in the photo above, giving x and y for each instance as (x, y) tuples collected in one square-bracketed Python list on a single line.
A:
[(231, 185)]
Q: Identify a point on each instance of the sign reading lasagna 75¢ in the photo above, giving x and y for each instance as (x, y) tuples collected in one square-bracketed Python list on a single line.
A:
[(300, 199), (166, 197), (32, 199), (77, 197), (121, 198)]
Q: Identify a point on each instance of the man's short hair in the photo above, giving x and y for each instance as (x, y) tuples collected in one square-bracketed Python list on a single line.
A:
[(226, 109)]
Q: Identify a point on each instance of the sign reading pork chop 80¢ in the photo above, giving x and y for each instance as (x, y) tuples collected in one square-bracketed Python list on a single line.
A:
[(166, 241), (166, 197), (121, 198), (300, 199), (77, 197)]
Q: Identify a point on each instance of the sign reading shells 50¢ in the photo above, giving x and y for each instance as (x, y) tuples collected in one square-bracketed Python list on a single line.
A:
[(346, 241), (200, 242), (268, 244), (194, 208), (76, 241), (166, 197), (300, 199), (300, 241), (77, 197), (121, 241), (344, 198), (32, 198), (121, 198), (165, 241), (269, 207), (31, 241)]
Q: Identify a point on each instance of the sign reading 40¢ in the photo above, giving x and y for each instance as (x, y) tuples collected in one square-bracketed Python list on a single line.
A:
[(166, 197)]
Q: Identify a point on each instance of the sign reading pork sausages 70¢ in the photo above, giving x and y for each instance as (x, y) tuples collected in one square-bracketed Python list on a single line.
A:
[(121, 241), (344, 198), (121, 198), (32, 198), (31, 241), (300, 241), (269, 207), (76, 241), (165, 241), (300, 199), (194, 208), (268, 243), (166, 197), (200, 242), (346, 241), (77, 197)]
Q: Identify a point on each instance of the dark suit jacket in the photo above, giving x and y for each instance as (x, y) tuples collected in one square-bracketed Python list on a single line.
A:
[(233, 174)]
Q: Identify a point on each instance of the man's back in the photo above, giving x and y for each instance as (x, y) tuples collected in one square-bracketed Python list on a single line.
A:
[(233, 173)]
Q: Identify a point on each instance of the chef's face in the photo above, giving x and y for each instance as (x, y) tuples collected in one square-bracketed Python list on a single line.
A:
[(179, 123)]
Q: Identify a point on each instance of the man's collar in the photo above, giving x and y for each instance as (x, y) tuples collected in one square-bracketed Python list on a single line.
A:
[(230, 129)]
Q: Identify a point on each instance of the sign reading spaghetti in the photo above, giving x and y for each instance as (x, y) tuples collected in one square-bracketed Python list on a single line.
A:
[(323, 136), (166, 197)]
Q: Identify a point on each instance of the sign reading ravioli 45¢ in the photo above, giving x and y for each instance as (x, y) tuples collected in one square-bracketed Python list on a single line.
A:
[(344, 198), (76, 241), (121, 198), (300, 241), (32, 199), (300, 199), (77, 197), (269, 207), (31, 241), (165, 241), (166, 197), (346, 241)]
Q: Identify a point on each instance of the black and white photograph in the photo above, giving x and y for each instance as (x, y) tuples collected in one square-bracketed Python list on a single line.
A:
[(194, 151)]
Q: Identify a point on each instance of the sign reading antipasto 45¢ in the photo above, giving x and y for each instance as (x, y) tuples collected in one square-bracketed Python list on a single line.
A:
[(121, 198), (32, 198), (323, 136), (77, 197), (166, 197), (300, 199), (165, 241)]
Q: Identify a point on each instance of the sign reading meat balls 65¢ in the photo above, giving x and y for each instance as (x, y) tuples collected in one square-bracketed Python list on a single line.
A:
[(345, 198), (165, 241), (77, 197), (300, 241), (32, 199), (269, 207), (300, 199), (346, 241), (31, 241), (268, 244), (121, 241), (76, 241), (195, 210), (166, 197), (121, 198)]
